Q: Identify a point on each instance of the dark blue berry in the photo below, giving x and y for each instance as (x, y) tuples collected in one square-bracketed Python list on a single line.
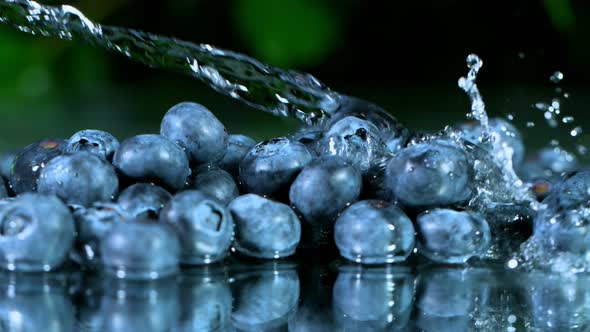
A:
[(140, 249), (237, 147), (373, 299), (143, 198), (91, 225), (154, 158), (430, 174), (264, 229), (270, 167), (197, 130), (549, 163), (36, 234), (374, 232), (203, 225), (3, 188), (355, 140), (79, 178), (449, 236), (216, 183), (265, 297), (324, 188), (504, 134), (391, 131), (308, 136), (29, 162), (94, 141)]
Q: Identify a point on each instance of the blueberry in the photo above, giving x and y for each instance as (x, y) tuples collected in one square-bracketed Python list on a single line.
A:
[(449, 236), (216, 183), (205, 301), (270, 167), (549, 163), (237, 147), (80, 178), (265, 297), (308, 136), (373, 299), (91, 225), (430, 174), (6, 160), (154, 158), (143, 198), (197, 130), (140, 249), (35, 302), (357, 141), (203, 225), (374, 232), (94, 141), (37, 232), (139, 305), (504, 134), (264, 229), (562, 224), (324, 188), (393, 133), (29, 162)]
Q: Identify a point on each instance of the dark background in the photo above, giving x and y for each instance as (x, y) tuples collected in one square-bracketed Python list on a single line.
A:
[(404, 55)]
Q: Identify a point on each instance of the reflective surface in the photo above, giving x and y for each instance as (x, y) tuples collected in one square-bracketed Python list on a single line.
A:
[(308, 293)]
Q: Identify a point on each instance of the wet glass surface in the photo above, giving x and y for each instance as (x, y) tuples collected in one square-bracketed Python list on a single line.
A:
[(312, 292)]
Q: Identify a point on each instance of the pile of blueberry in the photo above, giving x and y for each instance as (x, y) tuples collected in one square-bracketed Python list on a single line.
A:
[(190, 195)]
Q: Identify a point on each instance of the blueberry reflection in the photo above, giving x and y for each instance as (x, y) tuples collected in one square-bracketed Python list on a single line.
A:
[(373, 299), (150, 306), (35, 302), (265, 295), (448, 298), (559, 302), (205, 300)]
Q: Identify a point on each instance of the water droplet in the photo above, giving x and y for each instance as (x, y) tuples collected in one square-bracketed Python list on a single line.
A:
[(556, 77), (576, 131), (512, 263), (530, 124), (567, 119)]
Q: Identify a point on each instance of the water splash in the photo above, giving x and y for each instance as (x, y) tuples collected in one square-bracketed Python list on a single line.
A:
[(280, 92), (478, 109)]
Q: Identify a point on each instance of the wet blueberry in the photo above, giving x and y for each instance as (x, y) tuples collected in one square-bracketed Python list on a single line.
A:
[(324, 188), (355, 140), (374, 232), (237, 147), (91, 225), (270, 167), (449, 236), (197, 130), (3, 188), (216, 183), (94, 141), (36, 234), (140, 249), (373, 299), (29, 162), (142, 198), (154, 158), (429, 174), (265, 297), (308, 136), (264, 229), (203, 225), (504, 134), (79, 178), (393, 133), (549, 163)]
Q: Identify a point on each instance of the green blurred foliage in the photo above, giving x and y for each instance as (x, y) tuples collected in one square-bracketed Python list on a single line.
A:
[(288, 33), (561, 14)]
